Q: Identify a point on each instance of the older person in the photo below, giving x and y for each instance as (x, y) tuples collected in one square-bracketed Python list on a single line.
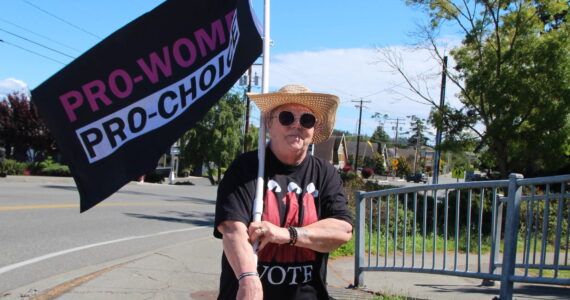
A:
[(305, 212)]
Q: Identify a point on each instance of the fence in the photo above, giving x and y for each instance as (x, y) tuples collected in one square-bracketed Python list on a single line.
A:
[(459, 229)]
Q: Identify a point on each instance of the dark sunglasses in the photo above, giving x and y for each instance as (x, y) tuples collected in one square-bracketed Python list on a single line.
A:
[(306, 120)]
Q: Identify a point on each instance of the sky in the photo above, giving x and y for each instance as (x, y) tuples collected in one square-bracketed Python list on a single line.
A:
[(330, 46)]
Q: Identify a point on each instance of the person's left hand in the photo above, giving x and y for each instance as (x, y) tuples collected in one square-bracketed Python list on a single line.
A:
[(266, 232)]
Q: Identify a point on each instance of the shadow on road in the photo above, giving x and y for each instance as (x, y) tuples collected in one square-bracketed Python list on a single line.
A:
[(191, 200), (198, 219), (61, 187), (527, 291)]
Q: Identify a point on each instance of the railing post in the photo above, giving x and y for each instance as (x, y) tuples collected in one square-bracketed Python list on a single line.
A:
[(359, 240), (511, 233), (498, 207)]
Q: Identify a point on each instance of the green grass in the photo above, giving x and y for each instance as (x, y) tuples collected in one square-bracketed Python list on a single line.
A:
[(550, 273), (348, 248)]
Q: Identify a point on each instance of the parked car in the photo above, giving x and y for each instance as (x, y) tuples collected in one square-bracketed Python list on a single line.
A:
[(417, 178)]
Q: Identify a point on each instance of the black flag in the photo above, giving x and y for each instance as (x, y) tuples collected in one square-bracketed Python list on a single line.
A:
[(116, 109)]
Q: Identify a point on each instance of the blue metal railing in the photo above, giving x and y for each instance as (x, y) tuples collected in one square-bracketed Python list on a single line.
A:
[(394, 227)]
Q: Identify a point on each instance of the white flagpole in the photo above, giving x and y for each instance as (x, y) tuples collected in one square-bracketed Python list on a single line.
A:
[(258, 202)]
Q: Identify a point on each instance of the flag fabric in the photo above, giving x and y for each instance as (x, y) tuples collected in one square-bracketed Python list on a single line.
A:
[(116, 109), (371, 147)]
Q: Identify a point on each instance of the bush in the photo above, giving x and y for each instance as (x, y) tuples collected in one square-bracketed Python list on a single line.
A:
[(348, 176), (49, 168), (12, 167), (56, 170), (367, 172)]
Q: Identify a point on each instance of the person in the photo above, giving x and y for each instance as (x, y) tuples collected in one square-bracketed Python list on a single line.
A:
[(305, 212)]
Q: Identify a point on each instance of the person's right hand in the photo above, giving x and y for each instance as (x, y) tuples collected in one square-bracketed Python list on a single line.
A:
[(250, 289)]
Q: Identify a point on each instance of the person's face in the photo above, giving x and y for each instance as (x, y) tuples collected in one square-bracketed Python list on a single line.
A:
[(293, 137)]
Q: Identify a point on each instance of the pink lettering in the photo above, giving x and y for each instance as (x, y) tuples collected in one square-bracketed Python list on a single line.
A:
[(96, 90), (190, 49), (156, 63), (70, 105), (217, 35), (127, 81), (229, 19)]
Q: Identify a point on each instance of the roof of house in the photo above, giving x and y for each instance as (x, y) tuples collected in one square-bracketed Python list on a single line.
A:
[(363, 148)]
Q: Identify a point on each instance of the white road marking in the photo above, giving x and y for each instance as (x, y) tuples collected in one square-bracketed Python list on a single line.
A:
[(59, 253)]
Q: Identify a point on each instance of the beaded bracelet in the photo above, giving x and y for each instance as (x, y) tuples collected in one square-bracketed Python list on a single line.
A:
[(242, 275), (293, 236)]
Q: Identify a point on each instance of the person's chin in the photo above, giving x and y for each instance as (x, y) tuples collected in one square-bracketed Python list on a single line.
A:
[(296, 145)]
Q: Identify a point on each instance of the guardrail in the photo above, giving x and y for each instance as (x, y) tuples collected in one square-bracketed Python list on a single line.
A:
[(456, 229)]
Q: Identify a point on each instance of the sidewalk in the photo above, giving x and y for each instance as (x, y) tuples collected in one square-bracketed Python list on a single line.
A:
[(190, 270)]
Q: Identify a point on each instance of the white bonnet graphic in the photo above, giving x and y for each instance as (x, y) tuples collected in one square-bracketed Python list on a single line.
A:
[(311, 189), (272, 184)]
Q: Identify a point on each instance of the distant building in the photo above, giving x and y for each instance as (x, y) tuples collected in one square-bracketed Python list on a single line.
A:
[(333, 150)]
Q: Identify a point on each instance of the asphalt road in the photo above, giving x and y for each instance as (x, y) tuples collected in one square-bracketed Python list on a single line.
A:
[(42, 233)]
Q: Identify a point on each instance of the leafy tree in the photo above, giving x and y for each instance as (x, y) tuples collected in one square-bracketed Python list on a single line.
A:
[(377, 163), (513, 71), (21, 129), (417, 131), (216, 139), (380, 135)]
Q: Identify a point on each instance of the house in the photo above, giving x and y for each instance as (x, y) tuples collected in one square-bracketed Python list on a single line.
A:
[(332, 150)]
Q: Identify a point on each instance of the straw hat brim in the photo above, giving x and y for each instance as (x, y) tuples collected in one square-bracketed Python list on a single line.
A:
[(324, 107)]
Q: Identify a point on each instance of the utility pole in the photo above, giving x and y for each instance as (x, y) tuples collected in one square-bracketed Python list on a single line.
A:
[(397, 130), (439, 131), (358, 134)]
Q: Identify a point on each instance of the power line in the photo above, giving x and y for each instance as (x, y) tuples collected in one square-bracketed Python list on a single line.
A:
[(40, 35), (36, 43), (61, 19), (33, 52)]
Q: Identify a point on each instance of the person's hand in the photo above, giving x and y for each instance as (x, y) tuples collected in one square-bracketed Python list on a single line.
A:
[(267, 232), (250, 289)]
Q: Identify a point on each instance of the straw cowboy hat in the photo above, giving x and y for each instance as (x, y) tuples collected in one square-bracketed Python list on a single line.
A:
[(323, 106)]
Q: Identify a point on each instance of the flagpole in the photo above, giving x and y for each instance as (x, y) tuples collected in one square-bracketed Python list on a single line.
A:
[(258, 202)]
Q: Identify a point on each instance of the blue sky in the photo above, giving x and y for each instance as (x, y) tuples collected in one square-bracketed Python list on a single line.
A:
[(327, 45)]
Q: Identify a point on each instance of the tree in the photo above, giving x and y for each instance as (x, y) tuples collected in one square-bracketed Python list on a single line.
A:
[(513, 71), (22, 129), (380, 135), (417, 131), (216, 139)]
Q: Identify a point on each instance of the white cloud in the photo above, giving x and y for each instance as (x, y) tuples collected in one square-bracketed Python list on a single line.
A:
[(357, 73), (10, 85)]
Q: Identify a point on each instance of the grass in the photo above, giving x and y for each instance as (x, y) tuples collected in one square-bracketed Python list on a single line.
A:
[(550, 273), (348, 248)]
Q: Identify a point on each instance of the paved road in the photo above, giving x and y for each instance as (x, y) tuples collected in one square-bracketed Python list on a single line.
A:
[(43, 234)]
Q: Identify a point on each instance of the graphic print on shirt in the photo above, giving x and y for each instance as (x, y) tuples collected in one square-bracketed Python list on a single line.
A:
[(298, 213)]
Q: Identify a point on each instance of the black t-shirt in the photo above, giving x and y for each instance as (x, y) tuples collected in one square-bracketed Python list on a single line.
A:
[(294, 196)]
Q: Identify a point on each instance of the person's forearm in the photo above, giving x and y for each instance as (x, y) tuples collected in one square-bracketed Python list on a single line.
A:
[(238, 250), (325, 235)]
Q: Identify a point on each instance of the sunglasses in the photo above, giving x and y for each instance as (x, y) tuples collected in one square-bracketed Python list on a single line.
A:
[(306, 120)]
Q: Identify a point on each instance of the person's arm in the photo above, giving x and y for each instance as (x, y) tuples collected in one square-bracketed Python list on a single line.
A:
[(323, 236), (239, 253)]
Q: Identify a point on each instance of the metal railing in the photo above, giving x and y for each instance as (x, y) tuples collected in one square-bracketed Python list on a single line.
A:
[(456, 229)]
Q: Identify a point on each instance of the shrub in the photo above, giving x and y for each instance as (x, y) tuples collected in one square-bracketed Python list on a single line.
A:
[(12, 167), (49, 168), (348, 176), (367, 172), (56, 170)]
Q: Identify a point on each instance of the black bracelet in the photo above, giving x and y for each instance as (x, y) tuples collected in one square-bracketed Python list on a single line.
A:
[(242, 275), (292, 236)]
